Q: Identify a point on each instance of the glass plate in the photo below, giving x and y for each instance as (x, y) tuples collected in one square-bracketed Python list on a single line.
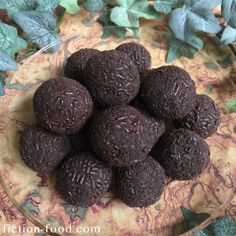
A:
[(35, 195)]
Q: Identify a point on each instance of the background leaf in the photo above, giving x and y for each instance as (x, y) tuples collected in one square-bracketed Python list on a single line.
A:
[(166, 6), (195, 15), (128, 12), (39, 28), (228, 36), (109, 27), (229, 11), (10, 42), (6, 62), (47, 5), (13, 6), (71, 6), (178, 48), (94, 5)]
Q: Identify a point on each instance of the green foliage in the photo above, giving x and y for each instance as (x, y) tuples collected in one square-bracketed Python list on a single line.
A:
[(166, 6), (71, 6), (179, 48), (231, 105), (39, 28), (10, 42), (94, 5), (222, 226), (6, 62)]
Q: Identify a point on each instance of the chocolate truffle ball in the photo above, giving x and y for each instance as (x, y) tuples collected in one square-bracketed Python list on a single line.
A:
[(204, 119), (183, 154), (62, 105), (138, 53), (82, 180), (168, 92), (122, 135), (141, 184), (112, 78), (42, 150), (75, 64)]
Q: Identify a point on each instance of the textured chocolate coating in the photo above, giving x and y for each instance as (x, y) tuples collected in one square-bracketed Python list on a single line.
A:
[(204, 119), (62, 105), (75, 64), (42, 150), (82, 180), (168, 92), (183, 154), (112, 78), (140, 184), (138, 53), (122, 135)]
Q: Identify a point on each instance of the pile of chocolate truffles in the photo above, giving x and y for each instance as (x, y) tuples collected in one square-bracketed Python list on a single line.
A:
[(114, 124)]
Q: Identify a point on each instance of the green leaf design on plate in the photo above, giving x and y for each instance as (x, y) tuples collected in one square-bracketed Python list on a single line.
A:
[(47, 5), (166, 6), (94, 5), (71, 6), (231, 105), (224, 226), (13, 6), (2, 91), (110, 28), (179, 48), (229, 35), (194, 15), (39, 28), (128, 12), (73, 211), (10, 42), (6, 62)]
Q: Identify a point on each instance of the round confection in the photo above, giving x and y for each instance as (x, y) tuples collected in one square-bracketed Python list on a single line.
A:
[(183, 154), (112, 78), (168, 92), (141, 184), (122, 135), (138, 53), (204, 119), (82, 180), (62, 105), (75, 64), (42, 150)]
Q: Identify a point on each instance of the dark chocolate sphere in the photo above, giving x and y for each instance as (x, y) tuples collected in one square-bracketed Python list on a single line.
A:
[(75, 64), (183, 154), (112, 78), (122, 135), (62, 105), (138, 53), (42, 150), (140, 184), (82, 180), (204, 119), (168, 92)]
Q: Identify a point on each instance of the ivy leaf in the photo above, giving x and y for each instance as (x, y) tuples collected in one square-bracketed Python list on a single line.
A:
[(224, 226), (94, 5), (71, 6), (39, 28), (166, 6), (110, 28), (194, 15), (228, 36), (47, 5), (231, 105), (229, 12), (2, 92), (6, 62), (179, 48), (128, 12), (13, 6), (10, 42)]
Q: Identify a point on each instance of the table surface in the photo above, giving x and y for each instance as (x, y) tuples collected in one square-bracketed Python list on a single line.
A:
[(221, 90)]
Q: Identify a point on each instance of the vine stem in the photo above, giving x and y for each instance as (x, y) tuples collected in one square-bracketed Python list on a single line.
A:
[(213, 216)]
